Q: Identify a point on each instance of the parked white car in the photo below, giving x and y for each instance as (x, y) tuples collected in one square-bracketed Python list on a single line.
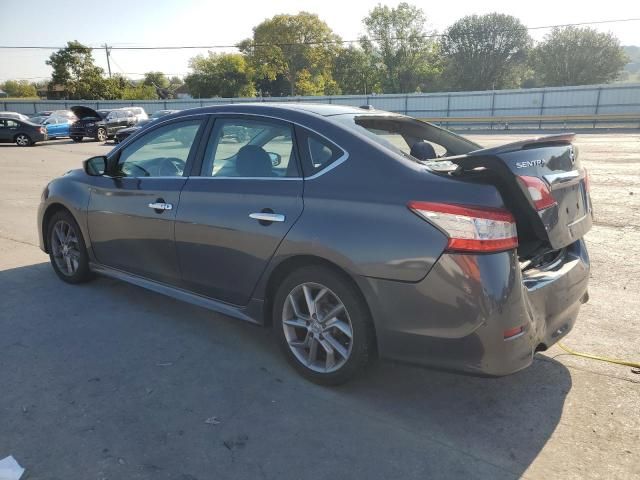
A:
[(139, 113)]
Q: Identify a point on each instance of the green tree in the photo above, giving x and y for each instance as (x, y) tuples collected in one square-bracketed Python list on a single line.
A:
[(485, 52), (156, 79), (397, 41), (175, 82), (578, 56), (20, 88), (287, 45), (139, 92), (220, 75), (356, 72), (74, 69)]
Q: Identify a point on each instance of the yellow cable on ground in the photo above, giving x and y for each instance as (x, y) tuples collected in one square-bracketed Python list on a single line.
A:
[(635, 365)]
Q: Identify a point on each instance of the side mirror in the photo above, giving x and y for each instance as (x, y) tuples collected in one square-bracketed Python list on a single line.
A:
[(275, 158), (95, 166)]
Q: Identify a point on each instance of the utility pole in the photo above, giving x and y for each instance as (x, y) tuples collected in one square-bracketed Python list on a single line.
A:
[(108, 52)]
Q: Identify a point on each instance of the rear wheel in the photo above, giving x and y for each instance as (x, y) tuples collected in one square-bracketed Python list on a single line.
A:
[(101, 135), (323, 325), (23, 140), (67, 250)]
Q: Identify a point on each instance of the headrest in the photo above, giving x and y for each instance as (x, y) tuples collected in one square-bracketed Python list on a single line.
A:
[(423, 150), (253, 161)]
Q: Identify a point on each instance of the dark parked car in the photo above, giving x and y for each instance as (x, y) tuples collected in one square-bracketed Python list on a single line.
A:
[(24, 133), (353, 233), (121, 135), (99, 124)]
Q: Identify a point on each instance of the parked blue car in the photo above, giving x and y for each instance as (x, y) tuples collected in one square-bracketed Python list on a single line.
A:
[(57, 126)]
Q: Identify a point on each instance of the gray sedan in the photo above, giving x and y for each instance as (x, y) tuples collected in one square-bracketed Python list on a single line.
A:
[(353, 233)]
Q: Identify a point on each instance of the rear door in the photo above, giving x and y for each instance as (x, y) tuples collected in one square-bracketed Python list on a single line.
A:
[(55, 127), (237, 206), (131, 214), (5, 133), (10, 129)]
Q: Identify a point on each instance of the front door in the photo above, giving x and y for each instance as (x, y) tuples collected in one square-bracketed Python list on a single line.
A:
[(236, 211), (131, 213)]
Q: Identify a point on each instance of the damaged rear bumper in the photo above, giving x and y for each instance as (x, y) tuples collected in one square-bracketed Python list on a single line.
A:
[(459, 315)]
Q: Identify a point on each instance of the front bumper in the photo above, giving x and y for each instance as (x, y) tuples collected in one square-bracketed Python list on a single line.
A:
[(456, 317), (82, 131)]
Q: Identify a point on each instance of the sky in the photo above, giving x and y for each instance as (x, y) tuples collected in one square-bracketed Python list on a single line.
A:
[(206, 22)]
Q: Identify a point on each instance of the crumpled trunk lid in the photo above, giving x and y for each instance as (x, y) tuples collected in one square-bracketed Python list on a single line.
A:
[(552, 159)]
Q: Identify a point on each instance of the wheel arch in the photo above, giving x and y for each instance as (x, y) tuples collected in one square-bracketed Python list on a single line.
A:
[(295, 262), (51, 210), (15, 137)]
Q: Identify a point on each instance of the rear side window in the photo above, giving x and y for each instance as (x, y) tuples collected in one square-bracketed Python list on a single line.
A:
[(318, 153), (247, 148)]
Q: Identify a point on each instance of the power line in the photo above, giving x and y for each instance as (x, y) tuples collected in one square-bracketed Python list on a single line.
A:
[(321, 42)]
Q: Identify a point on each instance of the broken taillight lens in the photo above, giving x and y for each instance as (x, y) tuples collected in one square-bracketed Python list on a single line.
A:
[(538, 191)]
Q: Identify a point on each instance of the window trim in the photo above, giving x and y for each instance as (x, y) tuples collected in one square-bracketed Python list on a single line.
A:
[(196, 171), (307, 133), (209, 119)]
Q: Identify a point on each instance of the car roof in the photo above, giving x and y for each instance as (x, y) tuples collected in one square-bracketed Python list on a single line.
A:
[(315, 109)]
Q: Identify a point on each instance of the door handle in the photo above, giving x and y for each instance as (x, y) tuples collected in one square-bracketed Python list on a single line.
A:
[(161, 206), (267, 217)]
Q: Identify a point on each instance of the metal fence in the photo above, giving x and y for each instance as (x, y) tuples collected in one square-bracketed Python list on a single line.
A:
[(591, 106)]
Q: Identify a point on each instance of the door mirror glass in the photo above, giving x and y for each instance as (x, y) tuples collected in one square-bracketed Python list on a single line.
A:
[(95, 166), (276, 158)]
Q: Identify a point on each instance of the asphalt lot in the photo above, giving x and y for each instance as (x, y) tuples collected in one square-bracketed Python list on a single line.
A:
[(109, 381)]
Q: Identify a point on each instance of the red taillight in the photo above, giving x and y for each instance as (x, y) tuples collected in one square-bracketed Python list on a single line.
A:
[(512, 332), (43, 130), (538, 191), (471, 228)]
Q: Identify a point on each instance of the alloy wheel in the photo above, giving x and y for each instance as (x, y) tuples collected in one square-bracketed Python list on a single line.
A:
[(317, 327), (22, 140), (65, 248), (102, 135)]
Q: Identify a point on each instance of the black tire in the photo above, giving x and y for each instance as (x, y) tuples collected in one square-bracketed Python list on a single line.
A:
[(101, 135), (82, 273), (23, 140), (362, 342), (76, 139)]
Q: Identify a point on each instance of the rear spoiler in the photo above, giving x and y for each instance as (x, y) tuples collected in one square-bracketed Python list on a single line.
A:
[(546, 141)]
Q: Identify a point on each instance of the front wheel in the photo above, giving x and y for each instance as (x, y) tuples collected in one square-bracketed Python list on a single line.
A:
[(323, 325), (101, 135), (67, 250), (23, 140)]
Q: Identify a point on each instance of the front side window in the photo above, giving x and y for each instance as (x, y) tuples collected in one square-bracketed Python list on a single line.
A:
[(162, 152), (250, 149)]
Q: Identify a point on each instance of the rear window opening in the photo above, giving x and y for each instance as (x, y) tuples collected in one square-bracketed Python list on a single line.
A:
[(411, 138)]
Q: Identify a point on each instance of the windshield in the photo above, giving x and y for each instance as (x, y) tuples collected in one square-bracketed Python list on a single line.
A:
[(409, 137)]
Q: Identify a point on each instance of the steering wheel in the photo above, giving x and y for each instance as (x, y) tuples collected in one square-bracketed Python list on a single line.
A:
[(172, 167), (144, 170)]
